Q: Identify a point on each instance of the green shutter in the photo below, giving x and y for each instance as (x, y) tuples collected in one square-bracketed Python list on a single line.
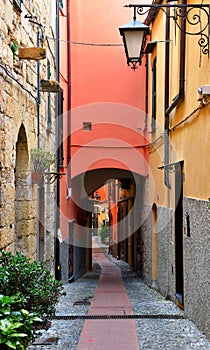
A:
[(61, 3)]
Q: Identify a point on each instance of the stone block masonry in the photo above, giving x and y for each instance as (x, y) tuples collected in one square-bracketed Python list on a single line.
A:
[(196, 263), (195, 259), (19, 199)]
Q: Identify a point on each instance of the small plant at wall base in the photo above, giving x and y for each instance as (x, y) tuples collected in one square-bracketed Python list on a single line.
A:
[(37, 286), (104, 234), (16, 323)]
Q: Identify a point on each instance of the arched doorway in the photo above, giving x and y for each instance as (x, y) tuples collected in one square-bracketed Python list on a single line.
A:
[(24, 219), (154, 247)]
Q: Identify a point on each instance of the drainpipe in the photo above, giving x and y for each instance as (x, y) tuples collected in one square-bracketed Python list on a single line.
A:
[(56, 246), (38, 89), (180, 96), (146, 93), (166, 123), (69, 95), (69, 183), (39, 188)]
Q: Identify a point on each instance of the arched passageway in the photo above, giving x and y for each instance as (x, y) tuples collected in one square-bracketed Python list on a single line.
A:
[(124, 202), (24, 219)]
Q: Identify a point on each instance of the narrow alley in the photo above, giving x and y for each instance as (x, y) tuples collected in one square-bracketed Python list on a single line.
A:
[(111, 308), (104, 175)]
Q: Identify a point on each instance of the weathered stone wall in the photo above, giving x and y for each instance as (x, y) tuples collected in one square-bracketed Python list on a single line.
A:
[(149, 227), (142, 245), (50, 224), (64, 253), (79, 261), (196, 259), (18, 120), (196, 264), (166, 252)]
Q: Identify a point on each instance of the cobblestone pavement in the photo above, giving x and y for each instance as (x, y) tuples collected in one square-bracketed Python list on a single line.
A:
[(153, 333)]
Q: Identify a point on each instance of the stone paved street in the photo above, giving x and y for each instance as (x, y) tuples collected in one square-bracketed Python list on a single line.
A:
[(175, 333)]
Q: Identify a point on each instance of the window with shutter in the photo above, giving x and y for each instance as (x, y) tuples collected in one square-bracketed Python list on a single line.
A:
[(61, 3)]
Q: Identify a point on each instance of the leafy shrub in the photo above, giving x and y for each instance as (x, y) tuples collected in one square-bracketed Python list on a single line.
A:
[(104, 233), (41, 159), (32, 280), (16, 324)]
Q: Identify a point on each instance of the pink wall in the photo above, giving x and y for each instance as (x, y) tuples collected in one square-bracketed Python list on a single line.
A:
[(108, 146), (104, 91), (101, 74)]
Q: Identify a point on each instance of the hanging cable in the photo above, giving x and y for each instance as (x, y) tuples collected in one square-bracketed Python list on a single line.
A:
[(112, 147), (5, 68), (86, 44), (92, 44), (194, 113)]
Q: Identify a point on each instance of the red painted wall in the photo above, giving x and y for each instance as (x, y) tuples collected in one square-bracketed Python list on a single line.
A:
[(104, 91), (101, 74)]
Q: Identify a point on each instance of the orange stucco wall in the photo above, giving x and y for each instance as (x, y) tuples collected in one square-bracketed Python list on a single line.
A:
[(104, 91), (101, 74)]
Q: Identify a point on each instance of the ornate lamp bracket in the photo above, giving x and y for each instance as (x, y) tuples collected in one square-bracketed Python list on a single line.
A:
[(170, 168), (195, 16), (50, 177)]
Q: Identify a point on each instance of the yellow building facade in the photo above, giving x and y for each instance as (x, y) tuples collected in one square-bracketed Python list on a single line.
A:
[(179, 144)]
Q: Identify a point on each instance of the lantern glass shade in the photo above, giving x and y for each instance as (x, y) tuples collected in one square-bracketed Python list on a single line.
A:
[(134, 34), (134, 43)]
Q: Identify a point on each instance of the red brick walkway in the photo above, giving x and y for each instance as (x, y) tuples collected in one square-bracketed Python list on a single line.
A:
[(110, 299)]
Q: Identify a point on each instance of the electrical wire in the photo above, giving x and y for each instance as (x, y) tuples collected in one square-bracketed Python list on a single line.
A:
[(172, 128), (5, 68), (86, 44), (112, 147), (155, 141), (92, 44), (121, 147)]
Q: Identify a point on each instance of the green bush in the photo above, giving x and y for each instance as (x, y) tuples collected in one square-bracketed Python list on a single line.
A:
[(37, 286), (41, 159), (16, 324), (104, 233)]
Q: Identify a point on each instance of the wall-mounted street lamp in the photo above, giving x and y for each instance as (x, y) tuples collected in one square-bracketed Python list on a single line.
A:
[(134, 37), (197, 16)]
